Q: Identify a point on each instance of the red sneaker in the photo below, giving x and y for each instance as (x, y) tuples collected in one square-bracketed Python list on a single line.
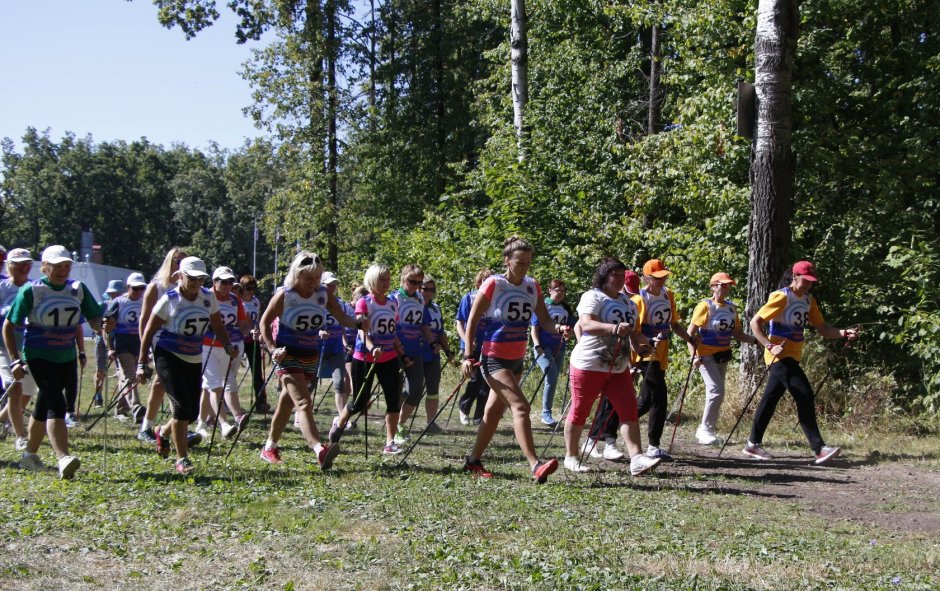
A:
[(326, 456), (272, 455), (476, 468), (163, 446), (543, 470)]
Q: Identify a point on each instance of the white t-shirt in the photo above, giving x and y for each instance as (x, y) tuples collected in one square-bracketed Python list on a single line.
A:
[(595, 352)]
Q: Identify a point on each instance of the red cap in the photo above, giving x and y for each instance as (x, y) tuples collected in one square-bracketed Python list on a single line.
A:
[(656, 268), (722, 278), (806, 270), (631, 282)]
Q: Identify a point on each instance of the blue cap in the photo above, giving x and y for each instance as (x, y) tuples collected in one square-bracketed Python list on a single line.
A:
[(116, 286)]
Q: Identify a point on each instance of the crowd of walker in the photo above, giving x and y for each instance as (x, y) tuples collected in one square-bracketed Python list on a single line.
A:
[(196, 336)]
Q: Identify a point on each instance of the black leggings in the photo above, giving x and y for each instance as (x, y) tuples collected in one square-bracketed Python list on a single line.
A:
[(607, 422), (56, 382), (182, 381), (653, 399), (787, 374), (477, 391), (389, 379), (254, 353)]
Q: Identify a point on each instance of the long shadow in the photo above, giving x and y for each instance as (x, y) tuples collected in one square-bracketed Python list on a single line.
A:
[(875, 458)]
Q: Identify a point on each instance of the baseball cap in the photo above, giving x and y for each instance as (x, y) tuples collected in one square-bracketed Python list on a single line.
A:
[(136, 279), (656, 268), (193, 267), (19, 255), (328, 278), (222, 273), (115, 286), (56, 254), (631, 281), (805, 269), (722, 278)]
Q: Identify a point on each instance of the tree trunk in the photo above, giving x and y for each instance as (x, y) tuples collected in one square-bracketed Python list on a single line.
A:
[(772, 163), (372, 61), (519, 58), (656, 96), (439, 96), (332, 56)]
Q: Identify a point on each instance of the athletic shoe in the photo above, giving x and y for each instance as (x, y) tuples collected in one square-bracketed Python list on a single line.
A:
[(272, 455), (31, 462), (139, 411), (756, 451), (193, 439), (543, 470), (573, 464), (476, 468), (611, 452), (202, 430), (336, 432), (20, 444), (642, 463), (229, 430), (707, 437), (326, 456), (147, 436), (464, 418), (548, 420), (591, 447), (655, 452), (477, 421), (391, 449), (433, 429), (70, 422), (67, 466), (825, 454), (163, 445), (184, 467), (98, 400), (401, 437), (241, 421)]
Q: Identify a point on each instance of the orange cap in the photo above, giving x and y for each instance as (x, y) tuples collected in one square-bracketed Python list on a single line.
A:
[(722, 278), (656, 268)]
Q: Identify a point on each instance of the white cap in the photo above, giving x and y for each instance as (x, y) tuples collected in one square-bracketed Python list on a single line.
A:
[(222, 273), (136, 279), (19, 255), (328, 277), (56, 254), (193, 267)]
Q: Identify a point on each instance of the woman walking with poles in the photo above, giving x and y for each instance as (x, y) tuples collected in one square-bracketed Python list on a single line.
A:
[(184, 314), (435, 342), (477, 390), (19, 263), (600, 365), (788, 311), (253, 349), (716, 320), (413, 333), (300, 308), (125, 338), (657, 307), (54, 305), (509, 301), (376, 356), (549, 348)]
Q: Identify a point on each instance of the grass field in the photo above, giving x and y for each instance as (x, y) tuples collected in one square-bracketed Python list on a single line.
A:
[(871, 521)]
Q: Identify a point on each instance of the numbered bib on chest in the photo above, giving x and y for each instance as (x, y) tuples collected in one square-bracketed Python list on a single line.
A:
[(128, 316), (382, 322), (302, 318), (253, 310), (658, 314), (187, 322), (794, 319), (511, 310), (615, 311), (54, 316)]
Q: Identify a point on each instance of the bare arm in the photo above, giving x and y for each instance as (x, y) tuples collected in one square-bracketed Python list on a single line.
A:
[(274, 309)]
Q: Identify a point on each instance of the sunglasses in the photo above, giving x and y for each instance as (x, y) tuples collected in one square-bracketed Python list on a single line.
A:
[(413, 281), (139, 288), (310, 261), (227, 281), (431, 289), (250, 287)]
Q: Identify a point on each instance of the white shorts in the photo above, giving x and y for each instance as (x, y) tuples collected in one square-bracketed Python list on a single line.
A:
[(29, 384), (218, 365)]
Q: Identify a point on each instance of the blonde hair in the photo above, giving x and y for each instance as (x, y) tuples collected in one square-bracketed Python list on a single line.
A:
[(411, 270), (164, 275), (303, 261), (482, 274), (372, 275)]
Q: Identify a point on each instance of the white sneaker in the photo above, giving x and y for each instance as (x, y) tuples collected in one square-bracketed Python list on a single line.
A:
[(20, 444), (611, 452), (202, 431), (464, 418), (572, 464), (642, 463), (826, 454), (591, 445), (70, 421), (707, 437), (654, 452), (31, 462), (228, 430), (67, 466)]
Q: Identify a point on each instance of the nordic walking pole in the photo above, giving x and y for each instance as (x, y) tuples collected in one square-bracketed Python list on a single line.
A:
[(439, 411), (117, 396), (564, 411), (685, 388), (251, 410), (90, 404), (748, 403), (316, 382), (551, 363), (81, 380), (218, 409)]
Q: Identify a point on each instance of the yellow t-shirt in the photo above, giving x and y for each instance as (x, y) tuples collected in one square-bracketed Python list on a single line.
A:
[(788, 315), (715, 327), (657, 314)]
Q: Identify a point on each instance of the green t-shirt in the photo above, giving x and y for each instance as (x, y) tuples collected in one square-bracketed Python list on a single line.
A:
[(23, 305)]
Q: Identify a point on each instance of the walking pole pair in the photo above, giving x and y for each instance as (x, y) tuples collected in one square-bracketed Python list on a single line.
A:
[(685, 388), (251, 411), (90, 404), (117, 396), (748, 403), (439, 412)]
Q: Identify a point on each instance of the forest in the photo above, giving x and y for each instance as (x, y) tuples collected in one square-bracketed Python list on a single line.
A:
[(392, 134)]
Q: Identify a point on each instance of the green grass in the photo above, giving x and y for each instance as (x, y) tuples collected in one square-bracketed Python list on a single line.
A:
[(128, 521)]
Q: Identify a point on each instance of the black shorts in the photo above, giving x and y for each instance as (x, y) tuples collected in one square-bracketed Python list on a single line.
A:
[(491, 365)]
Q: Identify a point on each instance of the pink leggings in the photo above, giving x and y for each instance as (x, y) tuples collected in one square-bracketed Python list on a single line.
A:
[(587, 385)]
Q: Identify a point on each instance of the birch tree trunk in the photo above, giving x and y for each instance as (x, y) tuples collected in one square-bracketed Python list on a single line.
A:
[(772, 163), (519, 58), (656, 95), (332, 56)]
